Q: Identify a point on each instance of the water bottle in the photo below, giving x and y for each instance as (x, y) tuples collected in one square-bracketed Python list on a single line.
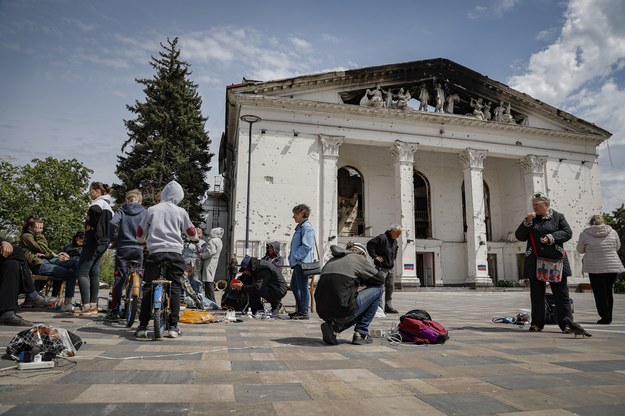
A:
[(158, 296), (249, 313)]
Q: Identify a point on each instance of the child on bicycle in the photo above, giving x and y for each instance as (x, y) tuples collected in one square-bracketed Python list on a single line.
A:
[(161, 230), (124, 239)]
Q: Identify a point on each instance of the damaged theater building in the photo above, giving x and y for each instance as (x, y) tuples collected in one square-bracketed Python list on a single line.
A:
[(449, 154)]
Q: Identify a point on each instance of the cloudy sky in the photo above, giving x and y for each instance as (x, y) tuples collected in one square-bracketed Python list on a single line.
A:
[(69, 66)]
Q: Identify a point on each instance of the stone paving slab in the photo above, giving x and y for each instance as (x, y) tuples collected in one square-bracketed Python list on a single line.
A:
[(282, 367)]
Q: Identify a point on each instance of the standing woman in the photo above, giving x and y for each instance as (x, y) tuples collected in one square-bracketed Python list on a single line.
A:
[(97, 232), (550, 231), (602, 263), (302, 250), (210, 255)]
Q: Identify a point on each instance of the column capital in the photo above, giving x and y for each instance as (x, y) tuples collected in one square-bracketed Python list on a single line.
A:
[(533, 164), (404, 152), (473, 158), (330, 145)]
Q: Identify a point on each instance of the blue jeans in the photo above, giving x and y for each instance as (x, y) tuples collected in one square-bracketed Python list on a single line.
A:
[(299, 286), (65, 270), (122, 255), (89, 272), (368, 301)]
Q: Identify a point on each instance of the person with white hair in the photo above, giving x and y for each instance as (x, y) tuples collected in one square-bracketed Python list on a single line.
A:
[(340, 303), (383, 249)]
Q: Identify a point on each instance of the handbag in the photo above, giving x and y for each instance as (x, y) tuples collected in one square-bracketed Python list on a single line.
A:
[(314, 267), (547, 270)]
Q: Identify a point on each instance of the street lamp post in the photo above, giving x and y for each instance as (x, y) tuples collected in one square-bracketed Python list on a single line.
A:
[(251, 119)]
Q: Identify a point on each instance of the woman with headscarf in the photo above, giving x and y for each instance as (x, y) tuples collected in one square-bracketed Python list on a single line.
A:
[(210, 256)]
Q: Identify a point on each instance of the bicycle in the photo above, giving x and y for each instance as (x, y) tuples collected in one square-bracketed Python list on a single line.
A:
[(161, 305), (131, 294)]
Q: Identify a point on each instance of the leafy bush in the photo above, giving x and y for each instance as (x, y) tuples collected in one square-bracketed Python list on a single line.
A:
[(505, 283), (107, 267), (619, 285)]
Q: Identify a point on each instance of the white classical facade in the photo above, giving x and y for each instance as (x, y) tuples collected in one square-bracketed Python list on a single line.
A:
[(458, 175)]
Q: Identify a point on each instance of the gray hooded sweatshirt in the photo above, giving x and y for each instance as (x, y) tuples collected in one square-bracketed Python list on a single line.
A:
[(165, 223), (600, 244)]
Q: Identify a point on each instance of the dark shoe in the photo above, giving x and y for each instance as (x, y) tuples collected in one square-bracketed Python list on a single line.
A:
[(38, 302), (360, 339), (15, 320), (535, 328), (300, 317), (111, 316), (604, 321), (390, 309), (329, 337), (566, 329)]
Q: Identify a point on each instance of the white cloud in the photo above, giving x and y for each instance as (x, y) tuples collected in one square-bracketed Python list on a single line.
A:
[(495, 9), (300, 43), (578, 74)]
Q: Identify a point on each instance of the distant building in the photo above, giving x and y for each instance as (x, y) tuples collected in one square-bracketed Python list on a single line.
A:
[(446, 152)]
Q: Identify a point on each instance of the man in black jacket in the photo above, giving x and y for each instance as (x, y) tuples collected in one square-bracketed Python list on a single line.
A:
[(339, 302), (383, 249), (264, 280)]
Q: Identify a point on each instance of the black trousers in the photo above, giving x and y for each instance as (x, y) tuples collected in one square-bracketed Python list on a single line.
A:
[(561, 297), (152, 272), (602, 287), (209, 290), (10, 276)]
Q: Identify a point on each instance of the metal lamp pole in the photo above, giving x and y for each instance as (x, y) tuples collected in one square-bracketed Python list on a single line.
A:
[(251, 119)]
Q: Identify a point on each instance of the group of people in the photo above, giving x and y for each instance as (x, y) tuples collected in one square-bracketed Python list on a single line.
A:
[(545, 231), (350, 286)]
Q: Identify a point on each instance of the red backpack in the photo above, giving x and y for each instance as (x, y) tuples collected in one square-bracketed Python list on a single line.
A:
[(413, 328)]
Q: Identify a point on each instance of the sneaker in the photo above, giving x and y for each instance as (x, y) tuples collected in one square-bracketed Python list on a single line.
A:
[(15, 320), (67, 308), (93, 307), (85, 310), (300, 317), (111, 316), (390, 309), (604, 321), (361, 339), (329, 337), (535, 328), (141, 332), (174, 332), (38, 302)]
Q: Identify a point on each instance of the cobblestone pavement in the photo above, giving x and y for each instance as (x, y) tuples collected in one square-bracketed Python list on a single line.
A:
[(282, 367)]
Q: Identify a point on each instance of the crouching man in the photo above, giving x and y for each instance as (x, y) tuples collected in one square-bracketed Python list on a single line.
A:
[(262, 279), (339, 302)]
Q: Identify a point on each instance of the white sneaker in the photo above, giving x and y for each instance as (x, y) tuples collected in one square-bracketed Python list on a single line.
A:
[(174, 332), (141, 332), (67, 308)]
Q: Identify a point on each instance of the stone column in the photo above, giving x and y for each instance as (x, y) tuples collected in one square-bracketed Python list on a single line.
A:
[(533, 170), (329, 190), (406, 262), (477, 251)]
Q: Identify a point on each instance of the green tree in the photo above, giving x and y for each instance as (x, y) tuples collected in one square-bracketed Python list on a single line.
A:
[(167, 137), (617, 221), (52, 189)]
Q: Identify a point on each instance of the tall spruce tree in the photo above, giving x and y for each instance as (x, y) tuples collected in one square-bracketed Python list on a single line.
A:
[(167, 139)]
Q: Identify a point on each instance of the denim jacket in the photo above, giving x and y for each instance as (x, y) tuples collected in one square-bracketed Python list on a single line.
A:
[(302, 244)]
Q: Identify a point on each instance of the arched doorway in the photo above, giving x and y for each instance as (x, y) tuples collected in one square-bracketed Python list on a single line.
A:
[(350, 199)]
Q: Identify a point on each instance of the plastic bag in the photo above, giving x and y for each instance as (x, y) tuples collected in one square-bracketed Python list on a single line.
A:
[(189, 316), (43, 338)]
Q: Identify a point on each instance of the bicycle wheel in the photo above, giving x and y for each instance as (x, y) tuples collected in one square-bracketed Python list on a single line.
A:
[(131, 301), (160, 326)]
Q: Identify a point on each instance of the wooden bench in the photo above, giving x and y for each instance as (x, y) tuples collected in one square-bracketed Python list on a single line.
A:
[(49, 283), (584, 287)]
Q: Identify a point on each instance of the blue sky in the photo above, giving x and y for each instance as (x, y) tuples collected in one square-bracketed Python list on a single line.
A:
[(69, 66)]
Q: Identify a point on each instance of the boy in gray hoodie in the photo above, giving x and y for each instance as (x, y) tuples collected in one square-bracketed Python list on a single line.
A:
[(161, 230)]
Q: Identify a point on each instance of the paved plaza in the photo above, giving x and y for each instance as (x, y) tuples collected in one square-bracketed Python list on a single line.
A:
[(282, 367)]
